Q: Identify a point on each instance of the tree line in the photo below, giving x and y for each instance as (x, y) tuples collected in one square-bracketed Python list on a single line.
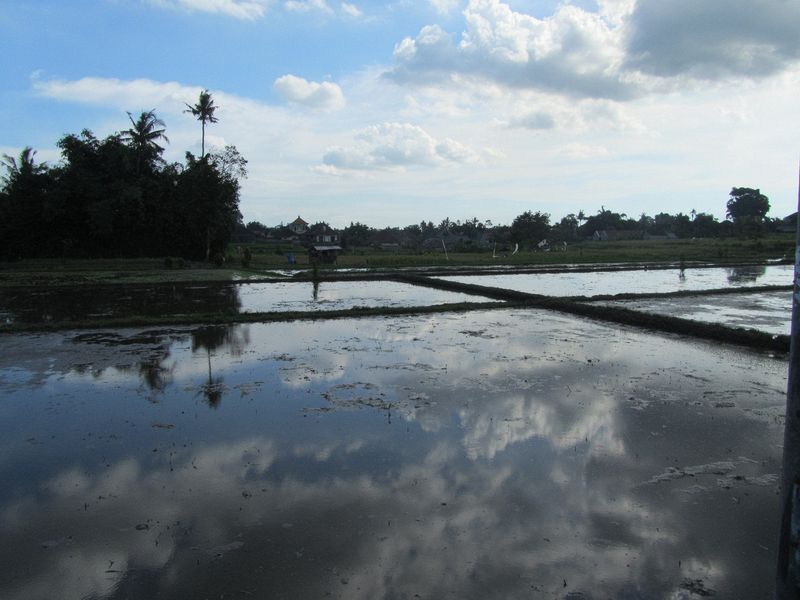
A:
[(746, 209), (117, 197)]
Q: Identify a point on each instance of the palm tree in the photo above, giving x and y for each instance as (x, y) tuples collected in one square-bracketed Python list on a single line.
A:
[(26, 167), (204, 111), (147, 130)]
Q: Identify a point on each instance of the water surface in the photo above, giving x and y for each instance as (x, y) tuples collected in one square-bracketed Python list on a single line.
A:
[(84, 302), (770, 312), (496, 454), (638, 281)]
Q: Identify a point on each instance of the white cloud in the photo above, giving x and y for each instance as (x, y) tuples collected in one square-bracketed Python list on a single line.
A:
[(239, 9), (396, 145), (116, 92), (622, 50), (351, 10), (444, 7), (573, 52), (578, 151), (325, 95), (308, 6)]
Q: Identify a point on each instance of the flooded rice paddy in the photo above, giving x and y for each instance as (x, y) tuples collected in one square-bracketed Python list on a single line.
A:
[(490, 454), (634, 281), (80, 303), (770, 312)]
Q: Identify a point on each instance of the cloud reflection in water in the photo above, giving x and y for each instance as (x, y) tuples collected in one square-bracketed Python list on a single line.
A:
[(521, 456)]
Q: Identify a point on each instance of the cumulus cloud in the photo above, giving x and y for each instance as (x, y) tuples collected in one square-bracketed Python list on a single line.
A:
[(396, 145), (621, 50), (239, 9), (714, 38), (325, 95), (444, 7), (574, 51)]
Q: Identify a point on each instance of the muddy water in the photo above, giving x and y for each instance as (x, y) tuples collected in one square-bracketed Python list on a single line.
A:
[(335, 295), (770, 312), (80, 303), (501, 454), (624, 282)]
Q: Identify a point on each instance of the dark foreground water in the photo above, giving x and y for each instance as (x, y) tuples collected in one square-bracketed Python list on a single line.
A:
[(79, 303), (497, 454)]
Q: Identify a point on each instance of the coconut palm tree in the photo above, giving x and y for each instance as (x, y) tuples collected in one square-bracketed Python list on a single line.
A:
[(22, 169), (204, 111), (144, 136)]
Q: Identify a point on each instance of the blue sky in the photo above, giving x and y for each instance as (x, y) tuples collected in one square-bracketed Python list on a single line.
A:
[(393, 112)]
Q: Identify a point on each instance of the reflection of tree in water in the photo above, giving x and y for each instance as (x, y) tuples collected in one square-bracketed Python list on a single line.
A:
[(76, 304), (746, 273), (155, 374), (150, 349), (211, 337)]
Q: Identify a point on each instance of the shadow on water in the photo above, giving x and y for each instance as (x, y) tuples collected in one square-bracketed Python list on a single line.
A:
[(82, 303)]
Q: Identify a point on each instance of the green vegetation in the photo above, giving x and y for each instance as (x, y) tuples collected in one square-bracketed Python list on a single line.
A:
[(722, 251), (263, 261), (116, 197)]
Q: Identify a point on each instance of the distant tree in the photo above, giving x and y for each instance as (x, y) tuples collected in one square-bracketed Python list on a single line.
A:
[(146, 131), (230, 163), (208, 198), (24, 206), (22, 170), (682, 226), (747, 208), (356, 234), (256, 228), (470, 228), (567, 229), (747, 204), (605, 220), (204, 112), (705, 225), (529, 228)]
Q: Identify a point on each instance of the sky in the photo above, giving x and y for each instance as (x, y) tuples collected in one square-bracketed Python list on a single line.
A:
[(393, 112)]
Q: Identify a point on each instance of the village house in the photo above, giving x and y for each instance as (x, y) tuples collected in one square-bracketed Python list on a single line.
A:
[(298, 226), (322, 242)]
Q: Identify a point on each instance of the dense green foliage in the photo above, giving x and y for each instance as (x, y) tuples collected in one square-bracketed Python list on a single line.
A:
[(117, 197)]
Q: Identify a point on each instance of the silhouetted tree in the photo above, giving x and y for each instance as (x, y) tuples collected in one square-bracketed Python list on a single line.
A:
[(529, 228), (146, 131), (204, 111), (747, 203), (25, 212), (208, 194)]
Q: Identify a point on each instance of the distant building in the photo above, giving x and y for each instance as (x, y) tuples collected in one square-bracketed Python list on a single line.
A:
[(321, 234), (323, 243), (298, 226)]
